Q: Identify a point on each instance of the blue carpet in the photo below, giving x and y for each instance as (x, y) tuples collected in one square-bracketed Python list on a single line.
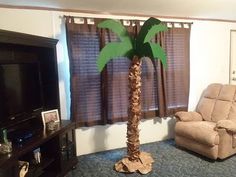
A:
[(170, 161)]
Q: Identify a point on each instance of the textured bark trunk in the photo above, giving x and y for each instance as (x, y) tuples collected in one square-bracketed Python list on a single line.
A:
[(134, 110), (136, 160)]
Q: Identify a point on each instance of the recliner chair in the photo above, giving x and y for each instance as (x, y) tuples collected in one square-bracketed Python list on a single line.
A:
[(211, 129)]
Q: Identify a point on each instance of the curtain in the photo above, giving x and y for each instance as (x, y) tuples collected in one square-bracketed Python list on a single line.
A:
[(85, 80), (173, 82), (102, 98)]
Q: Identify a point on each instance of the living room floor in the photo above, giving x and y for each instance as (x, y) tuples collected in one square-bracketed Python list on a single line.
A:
[(170, 161)]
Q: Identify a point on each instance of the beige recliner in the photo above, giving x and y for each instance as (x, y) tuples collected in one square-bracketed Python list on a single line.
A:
[(211, 130)]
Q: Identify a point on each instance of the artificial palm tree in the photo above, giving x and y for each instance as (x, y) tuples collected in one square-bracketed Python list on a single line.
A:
[(134, 49)]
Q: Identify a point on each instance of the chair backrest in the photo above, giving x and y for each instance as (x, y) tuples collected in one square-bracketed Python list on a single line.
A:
[(218, 102)]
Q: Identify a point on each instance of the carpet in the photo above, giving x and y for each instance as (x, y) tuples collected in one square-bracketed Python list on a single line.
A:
[(170, 161)]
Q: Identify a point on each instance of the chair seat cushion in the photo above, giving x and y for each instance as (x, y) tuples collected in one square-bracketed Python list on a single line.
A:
[(199, 131)]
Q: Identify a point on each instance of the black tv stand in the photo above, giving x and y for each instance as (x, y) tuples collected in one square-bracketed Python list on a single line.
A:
[(58, 153), (57, 147)]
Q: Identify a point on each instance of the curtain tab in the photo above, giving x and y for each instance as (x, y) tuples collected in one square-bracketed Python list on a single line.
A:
[(134, 23), (169, 25), (91, 21), (67, 19), (126, 23), (71, 19), (186, 25), (141, 23), (177, 25)]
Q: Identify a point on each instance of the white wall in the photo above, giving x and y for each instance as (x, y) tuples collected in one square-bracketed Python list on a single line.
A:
[(209, 62), (209, 56), (27, 21)]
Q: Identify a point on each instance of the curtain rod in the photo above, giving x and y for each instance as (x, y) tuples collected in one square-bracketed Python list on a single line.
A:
[(66, 16)]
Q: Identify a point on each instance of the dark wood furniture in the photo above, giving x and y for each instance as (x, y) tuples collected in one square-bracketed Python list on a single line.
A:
[(15, 47), (57, 147), (58, 153)]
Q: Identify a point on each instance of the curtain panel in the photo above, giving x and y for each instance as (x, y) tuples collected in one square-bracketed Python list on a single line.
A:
[(102, 98)]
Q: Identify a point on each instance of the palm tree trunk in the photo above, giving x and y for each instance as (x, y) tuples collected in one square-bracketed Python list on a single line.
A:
[(134, 110), (136, 160)]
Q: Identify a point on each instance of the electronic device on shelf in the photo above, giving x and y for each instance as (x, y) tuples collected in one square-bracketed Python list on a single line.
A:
[(20, 92)]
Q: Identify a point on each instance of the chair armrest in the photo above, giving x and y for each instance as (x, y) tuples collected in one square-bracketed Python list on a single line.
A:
[(229, 125), (188, 116), (227, 143)]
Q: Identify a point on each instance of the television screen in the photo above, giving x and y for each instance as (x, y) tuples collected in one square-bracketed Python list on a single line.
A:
[(20, 91)]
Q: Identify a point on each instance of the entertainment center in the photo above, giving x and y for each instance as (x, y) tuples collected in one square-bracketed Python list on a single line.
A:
[(29, 85)]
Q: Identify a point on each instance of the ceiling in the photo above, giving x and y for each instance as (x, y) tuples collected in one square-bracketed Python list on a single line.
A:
[(210, 9)]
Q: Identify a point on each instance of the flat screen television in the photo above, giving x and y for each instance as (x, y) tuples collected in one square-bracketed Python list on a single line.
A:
[(20, 92)]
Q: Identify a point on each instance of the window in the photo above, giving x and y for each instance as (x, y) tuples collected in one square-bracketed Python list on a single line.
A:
[(101, 98)]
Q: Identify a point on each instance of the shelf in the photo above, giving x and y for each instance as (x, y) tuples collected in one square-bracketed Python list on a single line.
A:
[(50, 144), (37, 140)]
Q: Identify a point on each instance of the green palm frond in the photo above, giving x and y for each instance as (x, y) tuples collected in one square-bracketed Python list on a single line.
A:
[(112, 51), (154, 51), (115, 49), (141, 46), (148, 24), (144, 45), (153, 31), (158, 53), (116, 27)]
